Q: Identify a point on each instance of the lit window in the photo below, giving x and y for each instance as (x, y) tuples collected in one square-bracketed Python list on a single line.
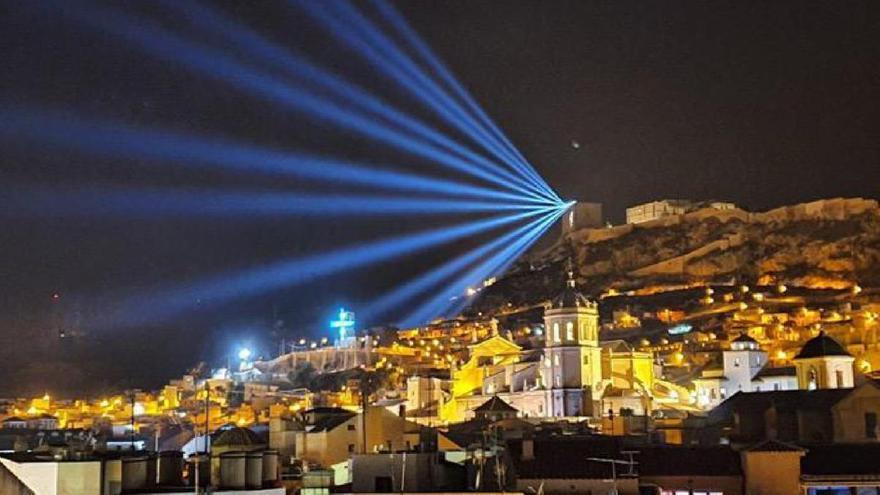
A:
[(556, 332), (556, 359), (569, 331)]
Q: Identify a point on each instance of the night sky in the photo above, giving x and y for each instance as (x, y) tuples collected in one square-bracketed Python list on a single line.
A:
[(759, 103)]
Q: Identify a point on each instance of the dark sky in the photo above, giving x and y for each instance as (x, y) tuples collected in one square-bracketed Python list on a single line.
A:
[(759, 103)]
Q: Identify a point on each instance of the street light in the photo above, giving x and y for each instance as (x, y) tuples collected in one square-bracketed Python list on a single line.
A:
[(244, 354)]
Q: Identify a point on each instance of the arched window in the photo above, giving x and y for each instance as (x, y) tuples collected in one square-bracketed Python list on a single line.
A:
[(812, 379), (569, 331), (556, 332)]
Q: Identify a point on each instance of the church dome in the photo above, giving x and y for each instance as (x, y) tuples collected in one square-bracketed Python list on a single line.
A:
[(746, 339), (570, 297), (237, 437), (744, 342), (820, 346)]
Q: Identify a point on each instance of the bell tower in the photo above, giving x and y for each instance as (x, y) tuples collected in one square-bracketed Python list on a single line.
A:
[(572, 368)]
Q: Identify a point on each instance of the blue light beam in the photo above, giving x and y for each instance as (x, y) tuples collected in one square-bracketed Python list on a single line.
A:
[(152, 203), (159, 305), (494, 265), (390, 14), (297, 67), (213, 63), (116, 140), (425, 281), (407, 75)]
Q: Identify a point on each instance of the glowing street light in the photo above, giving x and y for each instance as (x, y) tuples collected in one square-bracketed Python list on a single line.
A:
[(244, 354)]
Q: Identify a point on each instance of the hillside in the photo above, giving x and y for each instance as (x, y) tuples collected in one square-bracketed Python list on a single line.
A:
[(830, 243)]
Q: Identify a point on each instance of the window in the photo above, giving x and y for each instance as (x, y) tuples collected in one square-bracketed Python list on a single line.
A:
[(556, 359), (569, 331), (586, 360), (871, 425), (556, 332), (351, 427), (723, 393), (839, 375), (351, 448), (736, 362), (812, 381)]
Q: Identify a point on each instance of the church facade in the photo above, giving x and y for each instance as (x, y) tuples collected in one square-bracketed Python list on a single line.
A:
[(568, 377)]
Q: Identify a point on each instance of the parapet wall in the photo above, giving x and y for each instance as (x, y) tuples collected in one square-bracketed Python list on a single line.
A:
[(823, 209)]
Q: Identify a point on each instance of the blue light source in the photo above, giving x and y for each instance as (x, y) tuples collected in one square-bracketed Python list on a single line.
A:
[(531, 205)]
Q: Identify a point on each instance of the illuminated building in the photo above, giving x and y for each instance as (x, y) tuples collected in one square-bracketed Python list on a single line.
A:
[(568, 377), (572, 356), (670, 207), (823, 363), (582, 215), (743, 368)]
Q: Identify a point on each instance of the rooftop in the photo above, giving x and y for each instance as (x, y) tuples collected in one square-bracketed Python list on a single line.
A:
[(821, 346)]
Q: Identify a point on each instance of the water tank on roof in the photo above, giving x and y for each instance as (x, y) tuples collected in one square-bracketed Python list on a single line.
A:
[(254, 468), (233, 472)]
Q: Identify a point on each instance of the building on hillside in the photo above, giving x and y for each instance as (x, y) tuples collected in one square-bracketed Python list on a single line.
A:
[(832, 415), (743, 368), (424, 394), (823, 363), (332, 435), (654, 210), (495, 409), (567, 377), (582, 215)]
